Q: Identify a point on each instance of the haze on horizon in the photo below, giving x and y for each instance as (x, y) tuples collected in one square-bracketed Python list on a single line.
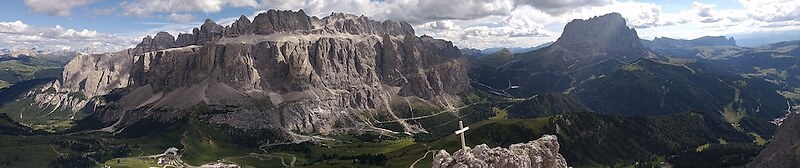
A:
[(105, 25)]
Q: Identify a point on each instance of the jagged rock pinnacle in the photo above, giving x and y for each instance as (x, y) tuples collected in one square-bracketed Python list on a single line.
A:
[(540, 153)]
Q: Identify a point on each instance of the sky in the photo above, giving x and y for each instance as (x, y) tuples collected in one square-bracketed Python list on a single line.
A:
[(112, 25)]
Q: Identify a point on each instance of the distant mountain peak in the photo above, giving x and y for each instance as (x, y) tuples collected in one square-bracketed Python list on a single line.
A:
[(504, 51), (701, 41), (601, 35)]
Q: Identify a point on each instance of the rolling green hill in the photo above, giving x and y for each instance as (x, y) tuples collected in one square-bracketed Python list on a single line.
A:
[(543, 105)]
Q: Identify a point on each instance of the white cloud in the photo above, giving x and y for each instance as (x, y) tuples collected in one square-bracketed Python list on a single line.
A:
[(148, 7), (181, 18), (412, 11), (20, 34), (772, 10), (62, 47), (521, 28), (702, 9), (55, 7), (16, 26), (105, 11), (558, 7), (468, 23), (441, 25)]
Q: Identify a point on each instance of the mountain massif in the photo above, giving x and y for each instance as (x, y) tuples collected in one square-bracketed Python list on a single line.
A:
[(283, 71)]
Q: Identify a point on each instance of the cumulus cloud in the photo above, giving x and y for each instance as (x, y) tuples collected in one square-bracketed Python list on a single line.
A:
[(441, 25), (521, 28), (772, 10), (558, 7), (55, 7), (148, 7), (468, 23), (703, 10), (20, 34), (412, 11), (437, 10)]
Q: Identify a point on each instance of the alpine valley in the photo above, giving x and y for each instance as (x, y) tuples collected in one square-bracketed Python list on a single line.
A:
[(285, 89)]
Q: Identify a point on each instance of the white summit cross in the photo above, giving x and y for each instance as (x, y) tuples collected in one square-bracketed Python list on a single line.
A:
[(461, 131)]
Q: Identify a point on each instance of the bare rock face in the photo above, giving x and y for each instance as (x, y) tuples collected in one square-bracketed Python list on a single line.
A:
[(185, 40), (542, 152), (284, 70), (209, 31), (97, 74), (602, 34), (162, 40), (784, 149), (242, 26)]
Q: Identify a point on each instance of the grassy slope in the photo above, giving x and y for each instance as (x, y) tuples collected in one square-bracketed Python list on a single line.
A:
[(22, 109), (41, 149), (31, 151), (199, 142), (588, 139), (14, 71), (648, 87), (606, 140)]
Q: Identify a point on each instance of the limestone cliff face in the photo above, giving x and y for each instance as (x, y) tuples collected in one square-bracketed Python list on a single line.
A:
[(85, 78), (284, 70), (542, 152)]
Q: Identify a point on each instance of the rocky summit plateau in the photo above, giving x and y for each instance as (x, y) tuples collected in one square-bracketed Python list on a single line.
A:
[(284, 70)]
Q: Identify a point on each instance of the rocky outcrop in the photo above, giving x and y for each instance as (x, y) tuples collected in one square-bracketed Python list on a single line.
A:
[(242, 26), (210, 31), (284, 70), (185, 39), (784, 149), (280, 21), (162, 40), (542, 152)]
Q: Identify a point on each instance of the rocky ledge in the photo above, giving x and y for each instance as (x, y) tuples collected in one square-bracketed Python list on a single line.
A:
[(542, 152)]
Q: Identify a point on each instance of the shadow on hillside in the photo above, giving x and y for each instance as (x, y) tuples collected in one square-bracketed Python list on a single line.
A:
[(11, 94)]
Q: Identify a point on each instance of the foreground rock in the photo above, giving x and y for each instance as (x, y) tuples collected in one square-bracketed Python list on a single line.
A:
[(784, 149), (542, 152)]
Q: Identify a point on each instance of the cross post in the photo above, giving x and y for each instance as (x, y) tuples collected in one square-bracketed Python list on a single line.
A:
[(461, 131)]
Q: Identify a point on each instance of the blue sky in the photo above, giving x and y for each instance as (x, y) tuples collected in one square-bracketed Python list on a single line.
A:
[(110, 25), (90, 17)]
